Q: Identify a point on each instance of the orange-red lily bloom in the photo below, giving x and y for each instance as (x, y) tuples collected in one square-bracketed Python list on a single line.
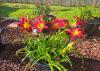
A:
[(56, 23), (79, 21), (24, 24), (39, 24), (75, 33)]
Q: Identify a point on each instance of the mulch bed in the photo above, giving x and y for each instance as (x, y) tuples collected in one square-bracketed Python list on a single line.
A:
[(89, 49)]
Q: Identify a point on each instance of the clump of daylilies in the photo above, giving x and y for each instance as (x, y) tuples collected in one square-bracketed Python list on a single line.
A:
[(51, 23), (54, 48)]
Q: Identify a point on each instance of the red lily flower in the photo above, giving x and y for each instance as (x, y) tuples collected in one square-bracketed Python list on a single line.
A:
[(39, 24), (59, 22), (79, 21), (62, 22), (75, 33), (24, 24), (55, 24), (66, 22)]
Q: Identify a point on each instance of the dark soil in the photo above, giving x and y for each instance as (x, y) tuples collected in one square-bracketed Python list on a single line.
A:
[(11, 37)]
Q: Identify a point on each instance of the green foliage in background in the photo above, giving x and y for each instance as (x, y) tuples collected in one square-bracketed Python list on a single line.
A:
[(86, 13), (42, 9)]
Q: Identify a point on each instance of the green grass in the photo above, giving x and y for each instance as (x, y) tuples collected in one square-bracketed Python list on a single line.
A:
[(15, 10)]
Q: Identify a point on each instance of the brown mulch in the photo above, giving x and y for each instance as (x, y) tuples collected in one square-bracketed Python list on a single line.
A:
[(89, 48)]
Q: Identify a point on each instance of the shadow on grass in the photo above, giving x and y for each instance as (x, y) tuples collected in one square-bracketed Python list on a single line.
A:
[(5, 11), (61, 9)]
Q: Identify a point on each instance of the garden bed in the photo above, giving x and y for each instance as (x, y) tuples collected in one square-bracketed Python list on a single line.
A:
[(89, 48)]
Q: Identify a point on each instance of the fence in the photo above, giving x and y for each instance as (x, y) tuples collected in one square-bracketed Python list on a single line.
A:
[(95, 3)]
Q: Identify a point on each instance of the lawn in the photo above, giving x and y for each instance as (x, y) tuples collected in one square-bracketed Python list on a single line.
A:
[(15, 10)]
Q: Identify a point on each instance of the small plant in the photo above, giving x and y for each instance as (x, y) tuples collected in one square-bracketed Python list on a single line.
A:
[(42, 9), (86, 13)]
